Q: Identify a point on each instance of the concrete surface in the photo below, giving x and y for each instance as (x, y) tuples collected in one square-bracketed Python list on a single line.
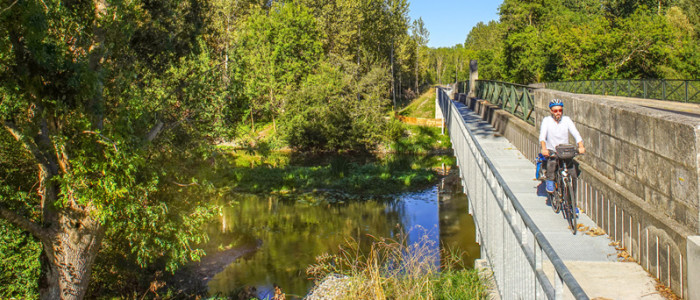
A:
[(610, 280)]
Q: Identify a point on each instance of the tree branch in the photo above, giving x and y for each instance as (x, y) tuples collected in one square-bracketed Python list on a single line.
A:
[(24, 223), (11, 5), (641, 48), (28, 144), (154, 131), (114, 145)]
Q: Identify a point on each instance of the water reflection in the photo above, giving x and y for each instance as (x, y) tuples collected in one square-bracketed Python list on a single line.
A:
[(294, 230)]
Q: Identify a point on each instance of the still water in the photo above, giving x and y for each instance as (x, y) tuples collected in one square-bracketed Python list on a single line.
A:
[(292, 231)]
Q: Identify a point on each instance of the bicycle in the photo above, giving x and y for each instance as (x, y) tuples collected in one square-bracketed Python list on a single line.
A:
[(564, 197)]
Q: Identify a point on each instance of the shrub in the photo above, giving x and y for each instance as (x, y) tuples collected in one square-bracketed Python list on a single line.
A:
[(337, 108)]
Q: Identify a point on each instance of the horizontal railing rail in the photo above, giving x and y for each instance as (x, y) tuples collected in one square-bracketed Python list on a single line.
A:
[(515, 98), (660, 89), (512, 243)]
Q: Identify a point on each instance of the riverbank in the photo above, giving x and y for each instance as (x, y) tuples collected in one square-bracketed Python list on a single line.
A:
[(191, 280), (395, 269)]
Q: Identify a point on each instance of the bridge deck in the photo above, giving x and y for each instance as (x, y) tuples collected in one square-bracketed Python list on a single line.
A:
[(592, 261)]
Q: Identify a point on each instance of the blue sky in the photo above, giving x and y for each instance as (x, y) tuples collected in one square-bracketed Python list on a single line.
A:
[(449, 21)]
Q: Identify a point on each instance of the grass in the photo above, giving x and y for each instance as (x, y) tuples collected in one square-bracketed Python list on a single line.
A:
[(421, 140), (422, 107), (392, 269)]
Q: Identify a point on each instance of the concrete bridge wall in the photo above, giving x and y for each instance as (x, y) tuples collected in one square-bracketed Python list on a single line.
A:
[(639, 178)]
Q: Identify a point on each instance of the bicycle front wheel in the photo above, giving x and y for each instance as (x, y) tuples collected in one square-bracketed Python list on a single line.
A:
[(570, 206)]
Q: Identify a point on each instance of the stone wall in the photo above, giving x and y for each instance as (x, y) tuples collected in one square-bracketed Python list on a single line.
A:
[(639, 178)]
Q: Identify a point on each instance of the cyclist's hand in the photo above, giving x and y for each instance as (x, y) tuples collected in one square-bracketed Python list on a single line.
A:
[(545, 152), (581, 150)]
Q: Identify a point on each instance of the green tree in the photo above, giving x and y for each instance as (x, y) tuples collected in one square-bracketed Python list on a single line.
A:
[(338, 108), (484, 43), (339, 21), (277, 50), (691, 9), (421, 37), (98, 96)]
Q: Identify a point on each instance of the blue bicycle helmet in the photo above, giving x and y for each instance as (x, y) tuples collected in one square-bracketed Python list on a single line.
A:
[(556, 102)]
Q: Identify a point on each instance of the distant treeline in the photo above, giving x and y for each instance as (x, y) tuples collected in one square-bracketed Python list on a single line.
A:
[(556, 40)]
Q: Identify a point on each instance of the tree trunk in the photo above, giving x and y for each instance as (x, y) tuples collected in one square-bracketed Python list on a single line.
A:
[(67, 259), (393, 82), (416, 72), (70, 239), (252, 120)]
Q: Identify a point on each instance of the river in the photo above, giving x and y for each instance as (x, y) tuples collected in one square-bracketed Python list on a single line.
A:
[(289, 232)]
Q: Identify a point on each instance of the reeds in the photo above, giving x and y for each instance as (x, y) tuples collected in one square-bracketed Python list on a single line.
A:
[(393, 269)]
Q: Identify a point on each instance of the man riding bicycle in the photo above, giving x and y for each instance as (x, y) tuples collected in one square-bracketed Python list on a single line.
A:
[(555, 130)]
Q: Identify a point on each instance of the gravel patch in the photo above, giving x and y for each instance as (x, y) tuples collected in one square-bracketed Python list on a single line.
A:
[(334, 286)]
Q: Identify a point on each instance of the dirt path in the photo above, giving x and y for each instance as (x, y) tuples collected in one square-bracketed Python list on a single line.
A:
[(191, 281)]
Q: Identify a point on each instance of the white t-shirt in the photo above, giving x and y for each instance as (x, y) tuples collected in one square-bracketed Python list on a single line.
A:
[(554, 133)]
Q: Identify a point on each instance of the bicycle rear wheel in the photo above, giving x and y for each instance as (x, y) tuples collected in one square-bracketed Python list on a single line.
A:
[(569, 206)]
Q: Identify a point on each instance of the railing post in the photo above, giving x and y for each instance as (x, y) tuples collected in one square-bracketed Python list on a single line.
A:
[(663, 89), (473, 77), (558, 286), (629, 88)]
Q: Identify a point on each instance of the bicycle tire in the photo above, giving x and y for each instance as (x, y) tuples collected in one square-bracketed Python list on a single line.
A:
[(570, 207), (556, 205)]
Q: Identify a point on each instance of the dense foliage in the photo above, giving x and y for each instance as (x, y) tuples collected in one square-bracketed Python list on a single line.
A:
[(328, 71), (98, 98), (19, 251), (556, 40), (94, 103)]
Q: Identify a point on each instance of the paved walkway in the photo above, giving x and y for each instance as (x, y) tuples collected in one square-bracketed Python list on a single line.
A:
[(591, 259)]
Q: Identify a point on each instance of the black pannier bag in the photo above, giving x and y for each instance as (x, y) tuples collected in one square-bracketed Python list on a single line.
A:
[(566, 151)]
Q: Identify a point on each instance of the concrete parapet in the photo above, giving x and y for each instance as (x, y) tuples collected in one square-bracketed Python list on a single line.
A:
[(461, 97), (639, 178)]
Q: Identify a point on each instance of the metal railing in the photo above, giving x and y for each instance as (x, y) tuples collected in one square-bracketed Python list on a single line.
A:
[(514, 98), (511, 242), (660, 89)]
